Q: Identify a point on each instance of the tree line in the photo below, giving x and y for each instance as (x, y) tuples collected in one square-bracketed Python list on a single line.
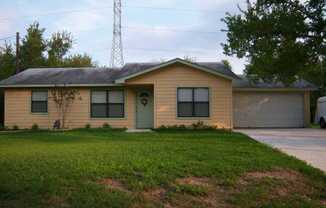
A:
[(283, 40), (35, 51)]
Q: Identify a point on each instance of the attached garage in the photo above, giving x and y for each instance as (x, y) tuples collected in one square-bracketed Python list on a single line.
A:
[(271, 105), (268, 109)]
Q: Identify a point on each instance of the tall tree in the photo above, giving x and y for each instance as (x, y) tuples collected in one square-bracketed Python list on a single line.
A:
[(283, 40), (33, 47), (7, 61), (78, 60), (58, 46), (36, 51)]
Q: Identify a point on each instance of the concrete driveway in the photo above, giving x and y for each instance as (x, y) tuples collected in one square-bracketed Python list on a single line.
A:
[(306, 144)]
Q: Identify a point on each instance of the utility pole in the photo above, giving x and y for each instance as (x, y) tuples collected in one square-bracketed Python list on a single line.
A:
[(17, 53), (117, 49)]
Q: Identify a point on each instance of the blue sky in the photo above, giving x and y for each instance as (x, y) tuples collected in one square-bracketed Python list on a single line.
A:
[(152, 30)]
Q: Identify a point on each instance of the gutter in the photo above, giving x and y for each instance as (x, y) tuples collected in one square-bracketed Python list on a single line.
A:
[(273, 89), (58, 85)]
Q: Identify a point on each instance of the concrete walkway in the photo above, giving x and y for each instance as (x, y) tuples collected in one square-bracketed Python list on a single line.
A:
[(306, 144)]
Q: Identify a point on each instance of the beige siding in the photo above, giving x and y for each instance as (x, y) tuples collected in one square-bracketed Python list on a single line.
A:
[(18, 111), (166, 81)]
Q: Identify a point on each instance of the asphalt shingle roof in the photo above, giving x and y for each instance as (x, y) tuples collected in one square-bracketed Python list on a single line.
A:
[(133, 68), (89, 76), (107, 76), (48, 76), (244, 82)]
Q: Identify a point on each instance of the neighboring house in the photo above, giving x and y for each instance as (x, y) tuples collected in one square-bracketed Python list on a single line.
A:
[(149, 95)]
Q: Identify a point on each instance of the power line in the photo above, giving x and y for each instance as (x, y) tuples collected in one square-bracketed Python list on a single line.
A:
[(161, 50), (107, 7), (169, 50), (6, 38), (167, 29), (177, 9), (55, 13)]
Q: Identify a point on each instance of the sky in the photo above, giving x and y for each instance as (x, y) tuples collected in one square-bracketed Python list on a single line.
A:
[(151, 30)]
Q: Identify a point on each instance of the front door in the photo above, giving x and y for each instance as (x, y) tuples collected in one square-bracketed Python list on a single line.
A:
[(144, 109)]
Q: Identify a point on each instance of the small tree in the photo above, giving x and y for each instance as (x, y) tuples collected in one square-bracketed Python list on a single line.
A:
[(191, 59), (227, 64), (63, 98)]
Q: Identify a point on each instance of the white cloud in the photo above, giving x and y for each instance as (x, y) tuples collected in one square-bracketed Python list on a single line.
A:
[(80, 22), (6, 22), (6, 29), (148, 44), (90, 15), (148, 40)]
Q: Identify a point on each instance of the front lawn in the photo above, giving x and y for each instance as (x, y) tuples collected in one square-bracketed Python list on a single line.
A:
[(106, 168)]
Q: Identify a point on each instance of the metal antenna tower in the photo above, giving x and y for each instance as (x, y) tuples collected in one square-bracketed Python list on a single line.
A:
[(117, 50)]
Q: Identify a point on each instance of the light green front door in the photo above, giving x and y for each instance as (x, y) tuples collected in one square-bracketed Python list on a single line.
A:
[(144, 109)]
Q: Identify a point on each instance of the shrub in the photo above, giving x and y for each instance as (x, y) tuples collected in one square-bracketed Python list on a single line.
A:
[(200, 125), (172, 127), (15, 128), (107, 126), (163, 127), (88, 126), (35, 127)]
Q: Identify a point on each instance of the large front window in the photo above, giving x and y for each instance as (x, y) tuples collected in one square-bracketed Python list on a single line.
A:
[(107, 104), (39, 101), (193, 102)]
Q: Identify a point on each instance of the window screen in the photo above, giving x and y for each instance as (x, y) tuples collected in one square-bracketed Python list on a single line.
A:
[(107, 104), (39, 102), (193, 102)]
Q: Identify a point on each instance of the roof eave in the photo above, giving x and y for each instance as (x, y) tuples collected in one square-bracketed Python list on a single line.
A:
[(273, 89), (58, 85), (174, 61)]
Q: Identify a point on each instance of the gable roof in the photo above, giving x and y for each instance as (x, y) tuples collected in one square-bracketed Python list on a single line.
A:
[(137, 69), (79, 77), (46, 77)]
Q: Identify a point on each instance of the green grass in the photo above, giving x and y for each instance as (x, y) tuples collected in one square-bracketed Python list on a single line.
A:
[(63, 169)]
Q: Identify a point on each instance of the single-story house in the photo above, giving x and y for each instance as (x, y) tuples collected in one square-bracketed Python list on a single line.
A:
[(149, 95)]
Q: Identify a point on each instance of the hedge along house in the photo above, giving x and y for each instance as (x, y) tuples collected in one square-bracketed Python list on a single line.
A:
[(150, 95)]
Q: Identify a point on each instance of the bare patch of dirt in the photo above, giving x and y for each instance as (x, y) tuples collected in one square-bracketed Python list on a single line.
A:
[(113, 185), (154, 194), (215, 196), (196, 181), (171, 197), (56, 201), (213, 199), (292, 181), (278, 174), (150, 198), (276, 184)]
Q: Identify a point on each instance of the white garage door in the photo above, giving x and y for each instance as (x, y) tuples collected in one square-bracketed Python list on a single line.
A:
[(268, 109)]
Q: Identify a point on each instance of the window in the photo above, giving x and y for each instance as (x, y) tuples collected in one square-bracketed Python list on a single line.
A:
[(193, 102), (39, 102), (107, 104)]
